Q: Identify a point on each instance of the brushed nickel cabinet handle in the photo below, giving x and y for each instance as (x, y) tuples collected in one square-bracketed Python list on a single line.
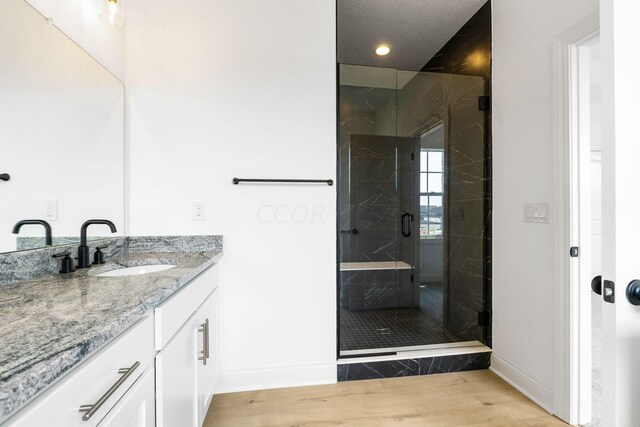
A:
[(204, 328), (90, 410), (206, 342)]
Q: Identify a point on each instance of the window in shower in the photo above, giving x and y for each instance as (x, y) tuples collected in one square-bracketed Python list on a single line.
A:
[(431, 187)]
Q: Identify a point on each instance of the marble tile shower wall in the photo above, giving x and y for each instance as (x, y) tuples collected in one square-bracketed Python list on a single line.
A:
[(465, 64), (370, 207), (366, 186)]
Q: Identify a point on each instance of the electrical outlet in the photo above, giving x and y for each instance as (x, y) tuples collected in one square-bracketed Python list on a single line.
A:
[(50, 210), (199, 211)]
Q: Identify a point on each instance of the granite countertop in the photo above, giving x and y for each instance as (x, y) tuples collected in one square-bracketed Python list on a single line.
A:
[(51, 323)]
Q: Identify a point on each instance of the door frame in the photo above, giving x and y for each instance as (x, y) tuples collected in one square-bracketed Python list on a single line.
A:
[(572, 380)]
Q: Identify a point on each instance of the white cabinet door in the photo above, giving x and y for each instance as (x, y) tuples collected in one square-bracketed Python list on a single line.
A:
[(207, 316), (184, 376), (136, 408), (176, 386)]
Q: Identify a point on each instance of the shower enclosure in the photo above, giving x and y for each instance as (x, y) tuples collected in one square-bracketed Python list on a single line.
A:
[(413, 210)]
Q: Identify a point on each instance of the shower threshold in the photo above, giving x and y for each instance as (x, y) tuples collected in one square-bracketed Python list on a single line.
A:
[(429, 350)]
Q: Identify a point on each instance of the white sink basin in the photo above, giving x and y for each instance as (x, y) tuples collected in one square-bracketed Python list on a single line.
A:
[(133, 271)]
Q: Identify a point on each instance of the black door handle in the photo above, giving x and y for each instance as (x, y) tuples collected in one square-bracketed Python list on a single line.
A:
[(4, 177), (596, 285), (405, 224), (633, 292)]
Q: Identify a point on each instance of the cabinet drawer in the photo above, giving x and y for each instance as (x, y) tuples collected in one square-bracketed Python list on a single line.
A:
[(92, 380), (137, 406), (173, 313)]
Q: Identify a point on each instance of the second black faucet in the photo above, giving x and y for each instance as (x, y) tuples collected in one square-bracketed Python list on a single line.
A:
[(83, 249)]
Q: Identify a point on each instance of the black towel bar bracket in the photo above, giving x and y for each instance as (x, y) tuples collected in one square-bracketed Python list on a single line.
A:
[(329, 182)]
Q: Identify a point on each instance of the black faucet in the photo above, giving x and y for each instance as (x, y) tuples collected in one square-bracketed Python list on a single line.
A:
[(47, 228), (83, 249)]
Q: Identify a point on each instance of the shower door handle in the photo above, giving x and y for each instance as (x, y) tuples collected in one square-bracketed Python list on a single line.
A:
[(405, 224), (353, 231)]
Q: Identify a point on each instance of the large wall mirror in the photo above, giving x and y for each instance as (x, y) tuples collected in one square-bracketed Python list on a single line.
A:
[(61, 134)]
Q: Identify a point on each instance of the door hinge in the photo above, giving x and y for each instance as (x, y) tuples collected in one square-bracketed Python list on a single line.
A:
[(574, 252), (412, 156), (484, 103), (412, 278), (484, 318)]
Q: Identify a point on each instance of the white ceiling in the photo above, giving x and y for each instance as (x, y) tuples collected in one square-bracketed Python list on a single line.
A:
[(415, 29)]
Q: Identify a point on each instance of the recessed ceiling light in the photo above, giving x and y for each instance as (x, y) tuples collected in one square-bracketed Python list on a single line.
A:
[(383, 50)]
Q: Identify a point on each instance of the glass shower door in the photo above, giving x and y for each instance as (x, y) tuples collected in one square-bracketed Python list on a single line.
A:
[(443, 112), (413, 210), (369, 209), (467, 209)]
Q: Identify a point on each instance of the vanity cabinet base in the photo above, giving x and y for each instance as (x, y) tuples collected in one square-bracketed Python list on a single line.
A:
[(161, 371)]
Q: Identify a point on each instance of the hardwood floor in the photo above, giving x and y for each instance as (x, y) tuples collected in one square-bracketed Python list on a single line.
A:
[(474, 398)]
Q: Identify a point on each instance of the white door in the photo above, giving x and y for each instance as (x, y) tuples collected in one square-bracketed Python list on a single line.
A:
[(621, 210)]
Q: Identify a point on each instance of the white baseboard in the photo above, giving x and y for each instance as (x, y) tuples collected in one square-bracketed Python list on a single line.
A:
[(262, 379), (540, 394)]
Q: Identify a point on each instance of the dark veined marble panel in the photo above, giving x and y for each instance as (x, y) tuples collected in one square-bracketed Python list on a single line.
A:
[(412, 367)]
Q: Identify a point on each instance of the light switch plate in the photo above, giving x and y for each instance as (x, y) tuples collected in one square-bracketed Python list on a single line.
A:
[(199, 211), (50, 210), (537, 213)]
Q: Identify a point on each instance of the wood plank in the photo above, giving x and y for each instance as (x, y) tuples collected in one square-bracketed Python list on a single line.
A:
[(474, 398)]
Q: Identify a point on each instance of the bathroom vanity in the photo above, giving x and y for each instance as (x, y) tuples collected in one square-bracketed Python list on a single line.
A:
[(93, 346), (136, 347)]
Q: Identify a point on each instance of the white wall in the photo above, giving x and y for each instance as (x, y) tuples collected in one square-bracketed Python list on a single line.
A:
[(80, 21), (524, 283), (228, 88)]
